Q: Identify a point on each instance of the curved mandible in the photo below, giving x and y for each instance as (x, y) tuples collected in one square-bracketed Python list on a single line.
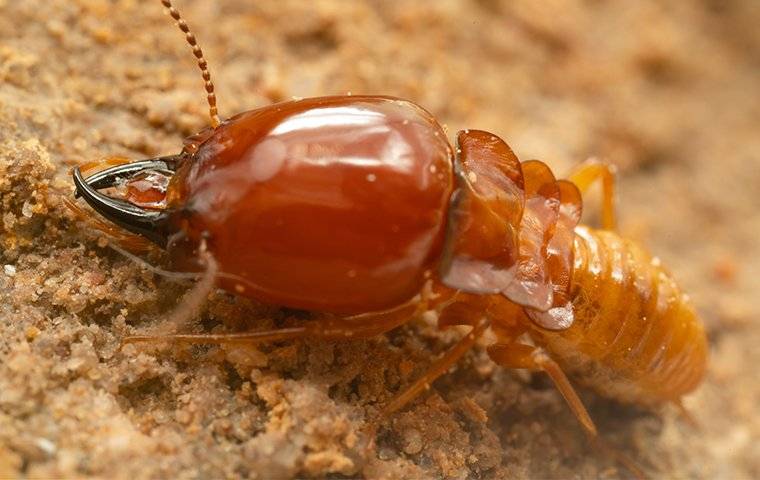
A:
[(150, 224)]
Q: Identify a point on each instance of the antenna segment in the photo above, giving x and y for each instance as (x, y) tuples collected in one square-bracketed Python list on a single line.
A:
[(202, 64)]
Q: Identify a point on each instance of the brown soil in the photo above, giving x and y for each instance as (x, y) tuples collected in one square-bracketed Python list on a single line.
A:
[(668, 93)]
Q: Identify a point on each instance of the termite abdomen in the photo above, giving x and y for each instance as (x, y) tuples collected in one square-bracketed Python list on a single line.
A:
[(636, 337)]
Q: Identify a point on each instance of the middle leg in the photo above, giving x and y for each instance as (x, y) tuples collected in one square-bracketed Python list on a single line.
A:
[(585, 174), (438, 368)]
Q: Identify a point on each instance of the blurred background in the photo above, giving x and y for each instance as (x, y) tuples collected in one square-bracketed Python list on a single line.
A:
[(668, 92)]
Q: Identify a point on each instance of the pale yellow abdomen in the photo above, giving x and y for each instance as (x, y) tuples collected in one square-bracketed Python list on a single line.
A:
[(636, 337)]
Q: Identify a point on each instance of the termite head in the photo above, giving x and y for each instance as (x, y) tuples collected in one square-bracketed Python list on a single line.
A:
[(137, 198)]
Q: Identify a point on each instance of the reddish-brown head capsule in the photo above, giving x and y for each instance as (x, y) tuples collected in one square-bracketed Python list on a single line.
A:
[(335, 203)]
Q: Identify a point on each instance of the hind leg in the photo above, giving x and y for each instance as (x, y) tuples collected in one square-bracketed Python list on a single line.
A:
[(686, 414), (517, 355), (585, 174)]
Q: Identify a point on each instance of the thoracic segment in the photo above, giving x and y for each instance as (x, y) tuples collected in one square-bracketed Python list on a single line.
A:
[(511, 229)]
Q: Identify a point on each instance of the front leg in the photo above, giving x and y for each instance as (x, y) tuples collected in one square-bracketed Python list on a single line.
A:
[(330, 328)]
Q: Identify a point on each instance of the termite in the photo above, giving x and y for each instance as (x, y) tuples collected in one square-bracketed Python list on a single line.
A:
[(358, 207)]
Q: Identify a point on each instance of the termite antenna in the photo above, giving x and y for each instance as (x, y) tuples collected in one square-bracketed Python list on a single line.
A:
[(202, 64)]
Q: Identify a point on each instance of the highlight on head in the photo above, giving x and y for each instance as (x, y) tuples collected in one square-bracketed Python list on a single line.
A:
[(202, 64)]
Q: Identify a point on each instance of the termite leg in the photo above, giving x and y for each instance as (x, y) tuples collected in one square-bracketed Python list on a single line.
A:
[(129, 241), (90, 168), (587, 173), (331, 328), (439, 367), (517, 355), (686, 414)]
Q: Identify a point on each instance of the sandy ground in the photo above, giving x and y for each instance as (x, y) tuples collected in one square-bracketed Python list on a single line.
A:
[(670, 94)]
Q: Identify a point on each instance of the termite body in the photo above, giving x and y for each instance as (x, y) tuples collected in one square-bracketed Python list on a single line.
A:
[(358, 207)]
